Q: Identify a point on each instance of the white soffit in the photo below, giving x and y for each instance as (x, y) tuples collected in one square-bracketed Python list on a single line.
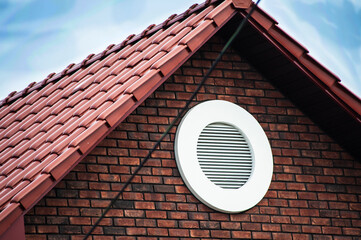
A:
[(224, 156)]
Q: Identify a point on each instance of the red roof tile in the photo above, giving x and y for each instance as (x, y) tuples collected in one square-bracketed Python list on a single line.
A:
[(48, 127)]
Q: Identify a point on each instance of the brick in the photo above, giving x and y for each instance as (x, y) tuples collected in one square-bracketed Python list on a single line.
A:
[(321, 221), (291, 228), (355, 206), (209, 225), (175, 198), (341, 222), (47, 229), (198, 216), (281, 235), (311, 229), (144, 205), (157, 232), (133, 196), (327, 196), (251, 226), (349, 214), (309, 212), (307, 195), (135, 231), (280, 219), (261, 235), (318, 204), (219, 216), (165, 206), (338, 205), (230, 225), (265, 210), (134, 213), (145, 223), (260, 218), (178, 232), (300, 220), (325, 179), (285, 177), (80, 220), (220, 234), (305, 178), (316, 187), (124, 222), (199, 233), (241, 234), (278, 202), (114, 230), (188, 224), (271, 227), (290, 211), (352, 231), (330, 213), (167, 224), (69, 229), (186, 207), (66, 212), (56, 220), (164, 189), (178, 215), (301, 236), (181, 189), (287, 194), (331, 230), (156, 214)]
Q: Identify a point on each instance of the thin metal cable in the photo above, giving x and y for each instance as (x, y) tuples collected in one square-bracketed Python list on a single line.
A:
[(171, 125)]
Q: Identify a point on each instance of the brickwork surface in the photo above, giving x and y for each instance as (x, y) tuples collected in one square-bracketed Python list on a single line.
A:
[(315, 191)]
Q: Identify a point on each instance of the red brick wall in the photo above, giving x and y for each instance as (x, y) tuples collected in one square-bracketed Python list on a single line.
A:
[(315, 191)]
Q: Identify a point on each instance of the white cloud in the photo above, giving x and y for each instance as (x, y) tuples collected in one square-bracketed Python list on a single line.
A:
[(356, 4), (329, 23)]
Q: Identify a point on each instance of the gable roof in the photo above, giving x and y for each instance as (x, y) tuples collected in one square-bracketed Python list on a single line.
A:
[(47, 128)]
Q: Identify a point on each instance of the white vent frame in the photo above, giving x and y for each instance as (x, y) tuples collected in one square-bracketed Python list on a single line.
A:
[(188, 132)]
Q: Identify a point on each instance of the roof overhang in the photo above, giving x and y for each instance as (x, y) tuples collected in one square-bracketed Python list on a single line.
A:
[(313, 88)]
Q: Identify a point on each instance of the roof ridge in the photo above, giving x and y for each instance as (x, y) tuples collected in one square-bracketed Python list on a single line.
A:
[(91, 58)]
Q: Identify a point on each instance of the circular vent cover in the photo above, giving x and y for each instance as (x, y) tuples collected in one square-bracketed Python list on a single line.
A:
[(223, 156)]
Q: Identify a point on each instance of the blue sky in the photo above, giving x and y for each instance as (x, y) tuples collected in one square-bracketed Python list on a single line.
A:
[(38, 37)]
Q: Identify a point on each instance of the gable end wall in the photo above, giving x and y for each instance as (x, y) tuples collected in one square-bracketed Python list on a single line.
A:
[(315, 191)]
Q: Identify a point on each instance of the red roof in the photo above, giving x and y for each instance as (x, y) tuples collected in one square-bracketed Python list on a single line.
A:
[(47, 128)]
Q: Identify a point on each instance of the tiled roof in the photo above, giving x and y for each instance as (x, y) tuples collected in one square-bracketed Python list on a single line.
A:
[(47, 128)]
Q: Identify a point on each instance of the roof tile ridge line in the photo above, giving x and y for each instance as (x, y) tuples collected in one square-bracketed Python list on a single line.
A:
[(330, 89), (91, 58), (306, 55), (276, 27)]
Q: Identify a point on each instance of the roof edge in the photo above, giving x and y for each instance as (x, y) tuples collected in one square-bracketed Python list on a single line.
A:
[(91, 58), (322, 76)]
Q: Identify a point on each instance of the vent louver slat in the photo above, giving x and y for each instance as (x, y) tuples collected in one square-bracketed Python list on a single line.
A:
[(224, 155)]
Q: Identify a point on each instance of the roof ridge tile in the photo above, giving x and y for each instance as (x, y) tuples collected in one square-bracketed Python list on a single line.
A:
[(94, 131), (34, 188), (68, 158), (9, 215), (111, 114), (5, 198)]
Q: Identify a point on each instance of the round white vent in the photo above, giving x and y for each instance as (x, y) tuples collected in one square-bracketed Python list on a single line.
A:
[(223, 156)]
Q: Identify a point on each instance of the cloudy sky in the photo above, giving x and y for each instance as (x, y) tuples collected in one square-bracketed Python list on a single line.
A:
[(38, 37)]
